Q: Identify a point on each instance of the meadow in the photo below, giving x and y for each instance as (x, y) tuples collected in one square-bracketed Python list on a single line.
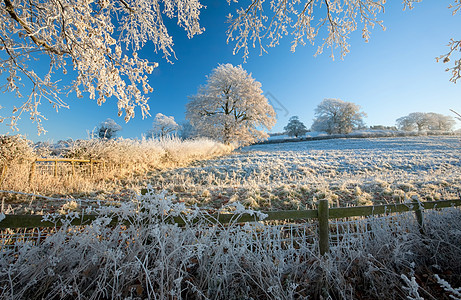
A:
[(347, 172), (381, 257), (122, 169)]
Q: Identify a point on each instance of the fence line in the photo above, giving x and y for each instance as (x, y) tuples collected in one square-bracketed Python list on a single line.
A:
[(30, 221), (63, 160), (323, 214)]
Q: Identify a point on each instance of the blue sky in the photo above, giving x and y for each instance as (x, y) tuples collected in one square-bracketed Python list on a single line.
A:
[(392, 75)]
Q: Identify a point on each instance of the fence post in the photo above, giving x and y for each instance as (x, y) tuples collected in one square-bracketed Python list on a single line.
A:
[(324, 229), (55, 168), (91, 167), (32, 172), (73, 169), (419, 216)]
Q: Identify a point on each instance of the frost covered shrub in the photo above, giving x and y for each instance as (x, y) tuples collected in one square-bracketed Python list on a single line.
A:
[(15, 149), (124, 152), (146, 256), (43, 149), (126, 162), (185, 151), (15, 152), (147, 154)]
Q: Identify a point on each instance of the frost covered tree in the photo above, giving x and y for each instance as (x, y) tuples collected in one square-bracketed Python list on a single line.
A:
[(231, 107), (163, 126), (295, 127), (425, 121), (337, 116), (96, 43), (405, 123), (421, 120), (415, 120), (108, 129), (264, 23), (186, 130), (441, 122)]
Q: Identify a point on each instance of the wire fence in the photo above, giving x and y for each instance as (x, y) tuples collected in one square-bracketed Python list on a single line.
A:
[(322, 228), (11, 238)]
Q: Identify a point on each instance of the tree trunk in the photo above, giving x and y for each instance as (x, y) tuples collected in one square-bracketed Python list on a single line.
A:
[(226, 134)]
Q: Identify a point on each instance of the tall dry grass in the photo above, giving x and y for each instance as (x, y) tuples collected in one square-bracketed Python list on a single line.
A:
[(126, 162)]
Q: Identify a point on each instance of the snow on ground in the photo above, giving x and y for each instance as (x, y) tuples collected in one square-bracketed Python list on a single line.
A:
[(295, 175), (262, 260), (345, 171), (285, 136)]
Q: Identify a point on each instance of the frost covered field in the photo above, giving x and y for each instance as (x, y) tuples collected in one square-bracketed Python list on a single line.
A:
[(383, 257), (345, 171)]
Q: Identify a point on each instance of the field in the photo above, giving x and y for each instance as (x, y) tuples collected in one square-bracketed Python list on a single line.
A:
[(383, 257), (122, 167), (266, 177), (345, 171)]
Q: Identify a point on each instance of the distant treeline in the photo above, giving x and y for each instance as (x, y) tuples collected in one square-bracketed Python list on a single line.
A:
[(357, 135)]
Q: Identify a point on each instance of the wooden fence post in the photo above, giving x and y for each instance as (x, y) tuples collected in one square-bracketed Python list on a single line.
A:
[(419, 216), (73, 169), (55, 168), (324, 229), (91, 167), (32, 172)]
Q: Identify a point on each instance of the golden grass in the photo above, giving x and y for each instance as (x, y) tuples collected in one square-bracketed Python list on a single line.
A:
[(127, 163)]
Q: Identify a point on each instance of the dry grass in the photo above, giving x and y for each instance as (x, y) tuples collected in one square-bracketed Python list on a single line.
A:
[(375, 258), (348, 172), (127, 164)]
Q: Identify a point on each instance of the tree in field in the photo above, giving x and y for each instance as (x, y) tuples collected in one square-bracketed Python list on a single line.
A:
[(231, 107), (421, 120), (186, 130), (415, 120), (337, 116), (96, 43), (441, 122), (163, 126), (295, 127), (405, 124), (425, 121), (108, 129)]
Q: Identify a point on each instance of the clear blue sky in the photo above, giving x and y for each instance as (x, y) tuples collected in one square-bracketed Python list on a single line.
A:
[(392, 75)]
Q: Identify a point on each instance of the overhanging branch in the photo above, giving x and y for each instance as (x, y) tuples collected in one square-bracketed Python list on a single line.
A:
[(10, 9)]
